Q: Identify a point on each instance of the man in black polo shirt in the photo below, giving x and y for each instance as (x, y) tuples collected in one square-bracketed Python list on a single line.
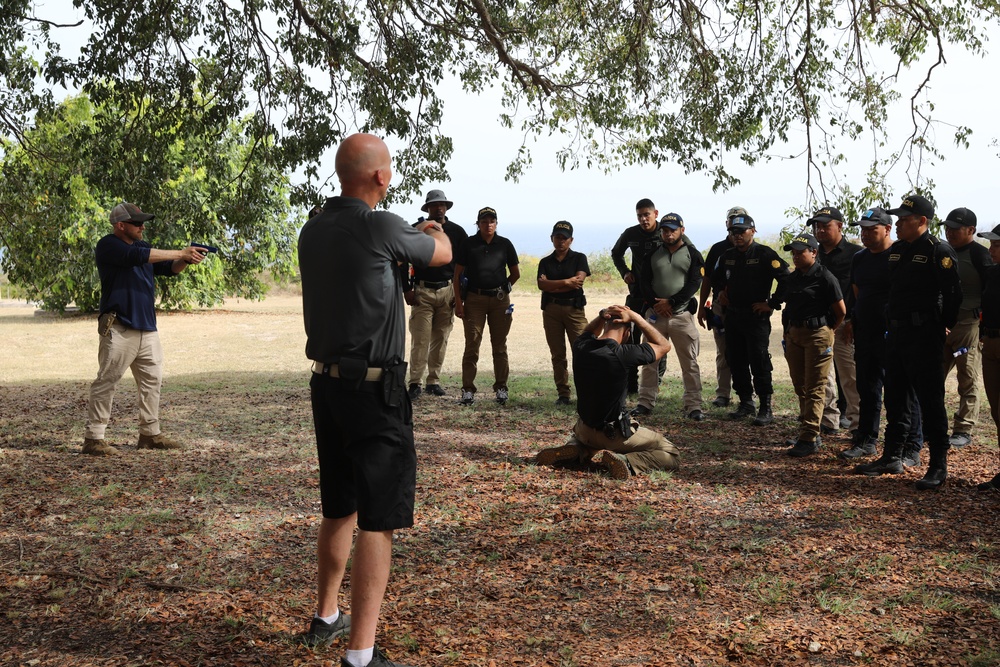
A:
[(560, 277), (604, 434), (924, 297), (743, 280), (352, 303), (432, 302), (835, 254), (488, 264)]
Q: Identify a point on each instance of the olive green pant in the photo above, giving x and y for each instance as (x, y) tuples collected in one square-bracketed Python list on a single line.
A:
[(809, 353), (481, 311), (431, 320), (561, 322), (645, 450), (965, 334)]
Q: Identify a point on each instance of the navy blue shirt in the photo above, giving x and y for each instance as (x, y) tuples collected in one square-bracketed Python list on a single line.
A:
[(127, 281)]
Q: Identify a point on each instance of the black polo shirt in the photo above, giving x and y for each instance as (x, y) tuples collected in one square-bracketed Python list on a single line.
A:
[(440, 274), (924, 283), (749, 276), (486, 263), (870, 274), (714, 254), (838, 262), (553, 269), (600, 369), (811, 294), (991, 298)]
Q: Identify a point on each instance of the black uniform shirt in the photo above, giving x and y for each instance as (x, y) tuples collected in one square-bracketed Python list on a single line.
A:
[(714, 254), (600, 368), (553, 269), (924, 282), (811, 294), (991, 298), (641, 243), (749, 275), (870, 273), (440, 274), (838, 262), (486, 263)]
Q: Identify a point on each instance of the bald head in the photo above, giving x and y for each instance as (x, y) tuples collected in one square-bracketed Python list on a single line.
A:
[(364, 167)]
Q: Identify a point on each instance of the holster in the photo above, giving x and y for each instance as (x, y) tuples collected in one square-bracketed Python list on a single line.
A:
[(394, 383), (104, 323), (352, 371)]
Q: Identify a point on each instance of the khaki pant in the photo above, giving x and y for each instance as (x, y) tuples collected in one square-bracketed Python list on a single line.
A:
[(991, 376), (561, 322), (645, 450), (682, 330), (964, 334), (844, 366), (723, 378), (431, 319), (809, 355), (120, 350), (481, 311)]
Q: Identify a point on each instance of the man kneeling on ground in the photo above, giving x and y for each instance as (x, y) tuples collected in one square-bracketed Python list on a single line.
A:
[(604, 433)]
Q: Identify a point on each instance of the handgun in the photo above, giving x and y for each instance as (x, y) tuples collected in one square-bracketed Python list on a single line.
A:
[(206, 248)]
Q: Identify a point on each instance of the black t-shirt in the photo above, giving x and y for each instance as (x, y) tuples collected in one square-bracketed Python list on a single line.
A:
[(714, 254), (924, 283), (991, 298), (600, 369), (640, 243), (439, 274), (351, 297), (749, 276), (811, 294), (553, 269), (486, 263), (870, 273)]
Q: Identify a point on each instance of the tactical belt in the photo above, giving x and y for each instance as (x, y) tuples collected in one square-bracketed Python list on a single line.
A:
[(428, 285), (563, 302), (485, 292), (333, 370), (812, 323)]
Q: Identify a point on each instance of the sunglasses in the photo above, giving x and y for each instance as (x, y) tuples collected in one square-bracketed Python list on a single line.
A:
[(738, 231), (134, 223)]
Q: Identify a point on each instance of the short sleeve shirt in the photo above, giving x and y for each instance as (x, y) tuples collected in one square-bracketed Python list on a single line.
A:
[(572, 263), (811, 294), (127, 281), (486, 263), (352, 299), (600, 369)]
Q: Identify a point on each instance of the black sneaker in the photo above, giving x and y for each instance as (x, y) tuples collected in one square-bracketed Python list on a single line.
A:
[(911, 458), (862, 447), (803, 448), (435, 389), (696, 415), (414, 392), (845, 423), (934, 479), (959, 440), (884, 465), (721, 402), (992, 485), (563, 400), (640, 411), (743, 410), (378, 660), (321, 634), (827, 430)]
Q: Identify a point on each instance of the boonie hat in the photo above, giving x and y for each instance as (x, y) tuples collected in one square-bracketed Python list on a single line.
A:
[(742, 222), (803, 241), (914, 205), (486, 212), (435, 196), (992, 235), (563, 228), (826, 214), (872, 217), (735, 211), (126, 212), (671, 221), (960, 217)]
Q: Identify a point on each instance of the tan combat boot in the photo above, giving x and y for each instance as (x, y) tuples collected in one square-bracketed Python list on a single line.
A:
[(158, 441), (98, 448)]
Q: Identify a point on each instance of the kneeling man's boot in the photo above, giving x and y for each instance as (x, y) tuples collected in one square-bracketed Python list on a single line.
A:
[(764, 415)]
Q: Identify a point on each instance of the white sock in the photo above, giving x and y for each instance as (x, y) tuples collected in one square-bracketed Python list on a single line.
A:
[(360, 658), (330, 619)]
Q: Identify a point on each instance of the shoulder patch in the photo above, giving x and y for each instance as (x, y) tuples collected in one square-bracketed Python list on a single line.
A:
[(775, 264), (946, 262)]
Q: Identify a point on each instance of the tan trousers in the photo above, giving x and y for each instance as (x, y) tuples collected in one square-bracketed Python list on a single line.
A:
[(645, 450), (724, 378), (991, 376), (964, 334), (682, 330), (481, 311), (561, 322), (431, 319), (809, 355), (843, 364), (117, 352)]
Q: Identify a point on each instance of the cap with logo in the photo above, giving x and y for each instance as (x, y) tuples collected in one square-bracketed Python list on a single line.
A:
[(671, 221), (914, 205), (803, 241), (960, 217), (872, 217), (435, 196), (486, 212), (826, 214), (126, 212), (993, 235), (735, 211), (563, 228), (741, 222)]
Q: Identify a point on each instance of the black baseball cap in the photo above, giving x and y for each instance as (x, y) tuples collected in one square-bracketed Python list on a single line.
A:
[(914, 205), (803, 241), (872, 217), (991, 235), (671, 221), (486, 212), (563, 228), (960, 217), (826, 214), (742, 222)]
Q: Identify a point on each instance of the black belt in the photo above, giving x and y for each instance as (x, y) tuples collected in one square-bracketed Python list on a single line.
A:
[(562, 302), (810, 323), (987, 332), (486, 292), (429, 285)]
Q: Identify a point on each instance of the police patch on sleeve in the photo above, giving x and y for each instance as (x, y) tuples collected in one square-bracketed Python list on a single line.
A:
[(775, 264), (946, 262)]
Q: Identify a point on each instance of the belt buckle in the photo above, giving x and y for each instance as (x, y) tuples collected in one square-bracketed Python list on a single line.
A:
[(500, 294)]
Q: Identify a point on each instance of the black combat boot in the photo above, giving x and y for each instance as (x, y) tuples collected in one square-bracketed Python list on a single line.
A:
[(764, 415), (745, 409), (890, 463), (937, 472)]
